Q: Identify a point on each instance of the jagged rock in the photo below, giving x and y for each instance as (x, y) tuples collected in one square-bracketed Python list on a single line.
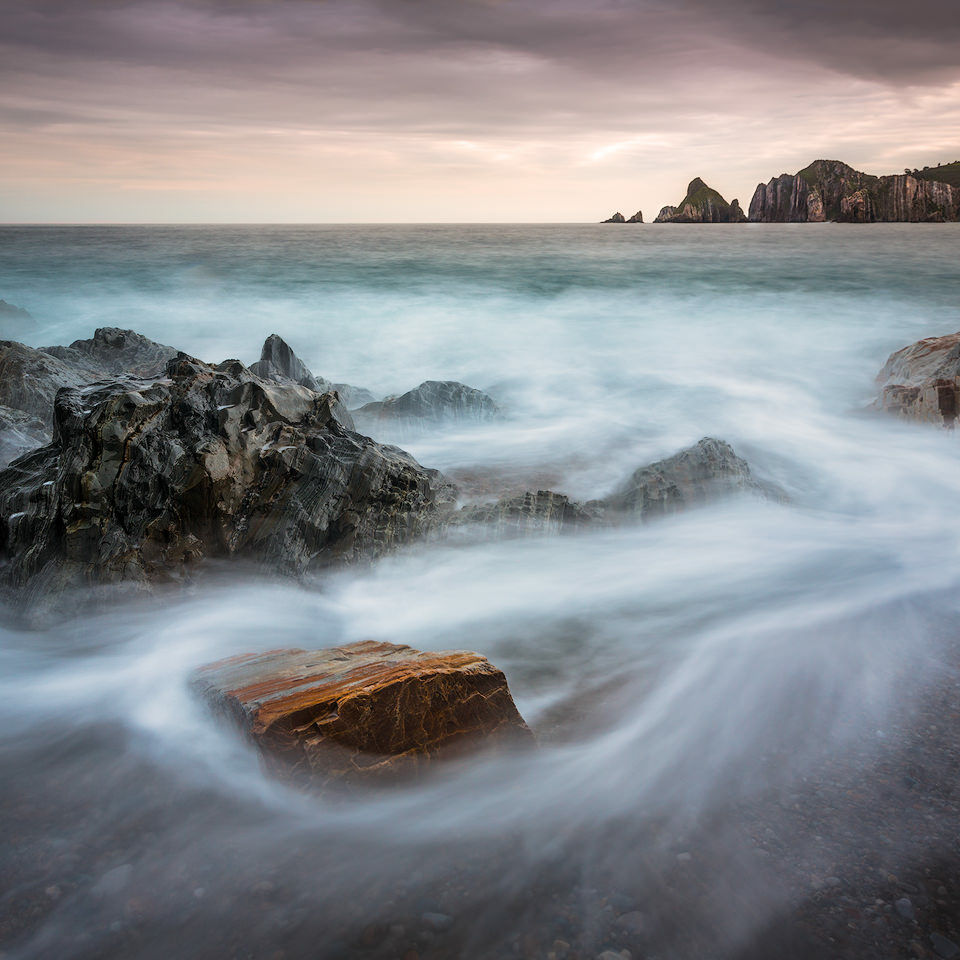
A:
[(10, 312), (922, 381), (432, 403), (528, 514), (831, 190), (616, 218), (19, 433), (707, 471), (30, 379), (279, 362), (115, 352), (363, 712), (702, 204), (636, 218), (148, 476)]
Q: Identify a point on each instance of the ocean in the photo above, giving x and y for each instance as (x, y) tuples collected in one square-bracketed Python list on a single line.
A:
[(674, 671)]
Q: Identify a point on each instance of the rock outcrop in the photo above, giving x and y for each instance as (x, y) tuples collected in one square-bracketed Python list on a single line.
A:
[(433, 403), (364, 712), (145, 477), (709, 470), (114, 352), (619, 218), (636, 218), (702, 204), (831, 190), (616, 218), (530, 514), (922, 381)]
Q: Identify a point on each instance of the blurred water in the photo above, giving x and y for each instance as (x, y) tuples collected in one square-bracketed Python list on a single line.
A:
[(662, 665)]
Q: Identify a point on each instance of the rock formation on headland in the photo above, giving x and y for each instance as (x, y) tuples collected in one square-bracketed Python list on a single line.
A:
[(922, 381), (363, 712), (702, 204), (619, 218), (831, 190), (147, 476)]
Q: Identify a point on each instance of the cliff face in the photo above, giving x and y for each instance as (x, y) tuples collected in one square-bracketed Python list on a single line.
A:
[(702, 204), (831, 190)]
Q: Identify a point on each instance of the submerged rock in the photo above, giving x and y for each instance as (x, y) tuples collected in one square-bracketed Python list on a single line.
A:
[(922, 381), (148, 476), (707, 471), (366, 711), (433, 402), (702, 204), (528, 514)]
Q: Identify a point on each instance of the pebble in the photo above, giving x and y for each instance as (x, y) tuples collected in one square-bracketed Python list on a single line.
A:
[(944, 948), (905, 908)]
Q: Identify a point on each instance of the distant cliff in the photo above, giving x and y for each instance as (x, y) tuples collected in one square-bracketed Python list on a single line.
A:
[(702, 204), (831, 190)]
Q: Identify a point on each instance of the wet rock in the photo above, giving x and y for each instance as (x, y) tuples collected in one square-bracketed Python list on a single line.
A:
[(432, 403), (904, 907), (115, 352), (364, 711), (145, 477), (922, 381), (943, 947), (528, 514), (20, 432), (707, 471), (279, 362)]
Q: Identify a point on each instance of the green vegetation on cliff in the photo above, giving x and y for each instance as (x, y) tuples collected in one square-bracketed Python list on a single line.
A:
[(942, 173)]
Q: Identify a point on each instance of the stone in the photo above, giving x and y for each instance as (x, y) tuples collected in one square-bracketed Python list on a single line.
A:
[(529, 514), (433, 403), (616, 218), (147, 477), (636, 218), (943, 947), (833, 190), (702, 204), (704, 472), (365, 711), (904, 907), (922, 381), (20, 432), (279, 362), (115, 352)]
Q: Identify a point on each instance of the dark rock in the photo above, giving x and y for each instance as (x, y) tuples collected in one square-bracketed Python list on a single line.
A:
[(115, 352), (943, 947), (433, 402), (706, 471), (922, 381), (831, 190), (702, 204), (528, 514), (636, 218), (147, 476), (279, 362), (616, 218), (19, 432), (365, 711), (353, 396)]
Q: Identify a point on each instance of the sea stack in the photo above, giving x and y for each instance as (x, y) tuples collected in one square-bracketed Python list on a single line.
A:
[(702, 204)]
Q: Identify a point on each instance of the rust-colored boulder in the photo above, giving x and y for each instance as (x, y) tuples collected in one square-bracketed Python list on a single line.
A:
[(922, 381), (363, 711)]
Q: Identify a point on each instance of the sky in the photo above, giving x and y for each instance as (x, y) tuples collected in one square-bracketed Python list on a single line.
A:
[(455, 110)]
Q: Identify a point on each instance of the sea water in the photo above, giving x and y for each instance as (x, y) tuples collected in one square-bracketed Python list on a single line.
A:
[(663, 665)]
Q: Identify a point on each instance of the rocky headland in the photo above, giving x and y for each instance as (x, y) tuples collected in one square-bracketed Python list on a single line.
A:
[(702, 204)]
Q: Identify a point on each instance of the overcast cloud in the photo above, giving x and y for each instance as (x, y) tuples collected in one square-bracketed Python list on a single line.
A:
[(331, 110)]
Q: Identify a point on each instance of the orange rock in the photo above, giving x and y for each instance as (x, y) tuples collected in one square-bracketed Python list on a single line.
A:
[(365, 710)]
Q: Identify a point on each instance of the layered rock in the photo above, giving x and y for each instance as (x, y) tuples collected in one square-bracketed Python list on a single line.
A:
[(702, 204), (922, 381), (20, 432), (115, 352), (145, 477), (709, 470), (279, 362), (831, 190), (433, 403), (363, 712)]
